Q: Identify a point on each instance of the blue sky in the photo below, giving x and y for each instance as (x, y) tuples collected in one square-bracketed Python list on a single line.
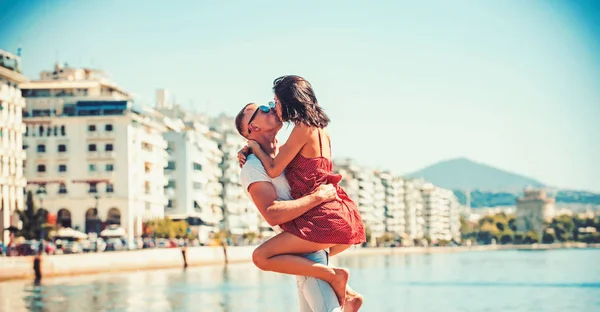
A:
[(513, 84)]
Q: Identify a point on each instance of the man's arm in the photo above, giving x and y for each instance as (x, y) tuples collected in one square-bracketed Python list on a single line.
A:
[(277, 212)]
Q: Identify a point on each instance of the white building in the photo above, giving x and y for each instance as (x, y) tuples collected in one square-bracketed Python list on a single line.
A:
[(12, 181), (95, 158), (413, 201), (193, 189), (395, 219), (240, 214), (441, 213)]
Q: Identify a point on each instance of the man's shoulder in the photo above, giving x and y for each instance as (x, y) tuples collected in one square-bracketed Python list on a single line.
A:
[(253, 164), (253, 171)]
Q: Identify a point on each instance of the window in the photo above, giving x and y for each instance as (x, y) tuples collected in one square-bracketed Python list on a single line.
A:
[(93, 188), (171, 203), (197, 167), (108, 127), (171, 184), (91, 167), (55, 130), (62, 131), (41, 148), (91, 147), (62, 148), (108, 147), (41, 130), (110, 167), (62, 168), (170, 146), (25, 146), (62, 189), (41, 168), (170, 165), (109, 188), (91, 128)]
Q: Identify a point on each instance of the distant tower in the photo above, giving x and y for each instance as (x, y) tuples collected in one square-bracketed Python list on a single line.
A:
[(162, 99)]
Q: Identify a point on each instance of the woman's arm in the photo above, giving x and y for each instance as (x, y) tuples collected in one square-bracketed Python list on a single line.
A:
[(276, 166)]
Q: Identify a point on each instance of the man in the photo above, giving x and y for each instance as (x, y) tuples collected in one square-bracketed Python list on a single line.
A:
[(273, 199)]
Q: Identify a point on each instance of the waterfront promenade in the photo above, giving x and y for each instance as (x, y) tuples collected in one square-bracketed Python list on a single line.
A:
[(12, 268)]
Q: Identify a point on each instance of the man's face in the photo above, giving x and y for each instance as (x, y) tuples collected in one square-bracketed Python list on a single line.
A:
[(259, 119)]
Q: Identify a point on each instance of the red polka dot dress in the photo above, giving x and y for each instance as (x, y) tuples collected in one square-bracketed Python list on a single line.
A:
[(333, 222)]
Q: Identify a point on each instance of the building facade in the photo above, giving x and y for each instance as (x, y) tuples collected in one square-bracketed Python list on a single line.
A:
[(441, 213), (12, 155), (533, 209), (239, 212), (413, 201), (95, 159)]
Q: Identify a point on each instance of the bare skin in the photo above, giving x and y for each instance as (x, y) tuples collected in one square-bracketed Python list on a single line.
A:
[(353, 301), (278, 255)]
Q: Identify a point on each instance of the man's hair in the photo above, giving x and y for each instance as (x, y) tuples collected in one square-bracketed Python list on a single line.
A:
[(238, 119)]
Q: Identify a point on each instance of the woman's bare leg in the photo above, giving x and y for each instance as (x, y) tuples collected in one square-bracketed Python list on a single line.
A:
[(278, 255), (337, 249), (353, 300)]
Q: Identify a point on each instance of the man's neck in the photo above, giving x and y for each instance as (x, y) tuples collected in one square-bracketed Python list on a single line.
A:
[(268, 142)]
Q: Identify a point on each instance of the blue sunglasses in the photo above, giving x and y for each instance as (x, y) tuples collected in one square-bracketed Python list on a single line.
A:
[(264, 109)]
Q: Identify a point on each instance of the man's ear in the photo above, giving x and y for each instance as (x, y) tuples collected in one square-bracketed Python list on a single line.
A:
[(253, 128)]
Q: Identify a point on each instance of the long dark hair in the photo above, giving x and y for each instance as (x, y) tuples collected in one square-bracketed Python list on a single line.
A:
[(298, 102)]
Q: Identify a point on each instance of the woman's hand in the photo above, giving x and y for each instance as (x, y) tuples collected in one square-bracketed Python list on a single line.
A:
[(242, 154), (327, 193), (253, 145)]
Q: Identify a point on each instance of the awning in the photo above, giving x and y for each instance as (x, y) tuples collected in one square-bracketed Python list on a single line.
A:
[(69, 232), (92, 181), (113, 232), (42, 182)]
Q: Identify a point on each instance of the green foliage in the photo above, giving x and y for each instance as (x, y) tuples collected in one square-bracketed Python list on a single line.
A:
[(532, 237), (548, 238), (503, 229), (167, 228), (33, 220)]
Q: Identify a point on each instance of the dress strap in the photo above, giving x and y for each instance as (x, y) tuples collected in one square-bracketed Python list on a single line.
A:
[(320, 144)]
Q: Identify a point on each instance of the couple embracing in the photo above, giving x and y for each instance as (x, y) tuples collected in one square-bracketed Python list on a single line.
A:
[(297, 193)]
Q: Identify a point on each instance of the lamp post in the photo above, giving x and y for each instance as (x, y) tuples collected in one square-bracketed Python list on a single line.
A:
[(41, 193), (96, 197)]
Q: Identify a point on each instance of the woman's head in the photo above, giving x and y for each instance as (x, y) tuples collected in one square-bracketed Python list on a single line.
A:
[(296, 102)]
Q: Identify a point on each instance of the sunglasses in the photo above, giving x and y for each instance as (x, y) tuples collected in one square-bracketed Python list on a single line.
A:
[(264, 109)]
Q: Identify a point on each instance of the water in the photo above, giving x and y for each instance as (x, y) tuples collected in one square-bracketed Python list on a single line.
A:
[(517, 281)]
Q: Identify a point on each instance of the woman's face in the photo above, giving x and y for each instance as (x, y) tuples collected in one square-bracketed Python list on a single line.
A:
[(278, 108)]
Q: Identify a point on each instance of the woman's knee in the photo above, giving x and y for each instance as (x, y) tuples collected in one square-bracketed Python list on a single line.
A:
[(259, 258)]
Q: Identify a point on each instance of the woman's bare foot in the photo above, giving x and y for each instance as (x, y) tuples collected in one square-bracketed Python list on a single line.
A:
[(339, 284), (353, 302)]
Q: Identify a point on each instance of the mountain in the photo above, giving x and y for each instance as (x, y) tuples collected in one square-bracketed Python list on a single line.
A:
[(465, 174)]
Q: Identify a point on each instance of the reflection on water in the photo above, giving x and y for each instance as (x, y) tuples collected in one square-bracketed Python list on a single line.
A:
[(565, 280)]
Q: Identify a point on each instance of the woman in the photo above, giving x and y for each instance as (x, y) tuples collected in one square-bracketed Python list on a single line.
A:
[(306, 159)]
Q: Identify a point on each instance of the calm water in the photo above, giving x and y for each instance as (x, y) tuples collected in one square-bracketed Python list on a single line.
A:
[(519, 281)]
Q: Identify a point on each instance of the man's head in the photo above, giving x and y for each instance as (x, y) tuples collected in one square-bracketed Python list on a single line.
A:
[(254, 120)]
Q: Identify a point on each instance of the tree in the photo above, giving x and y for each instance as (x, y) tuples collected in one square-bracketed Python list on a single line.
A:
[(548, 237), (33, 219), (532, 237), (167, 228), (563, 227), (512, 223), (506, 237)]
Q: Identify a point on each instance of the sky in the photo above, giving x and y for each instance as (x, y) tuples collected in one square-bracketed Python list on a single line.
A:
[(513, 84)]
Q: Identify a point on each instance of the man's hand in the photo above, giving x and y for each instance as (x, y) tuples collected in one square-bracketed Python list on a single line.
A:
[(242, 154), (326, 193)]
